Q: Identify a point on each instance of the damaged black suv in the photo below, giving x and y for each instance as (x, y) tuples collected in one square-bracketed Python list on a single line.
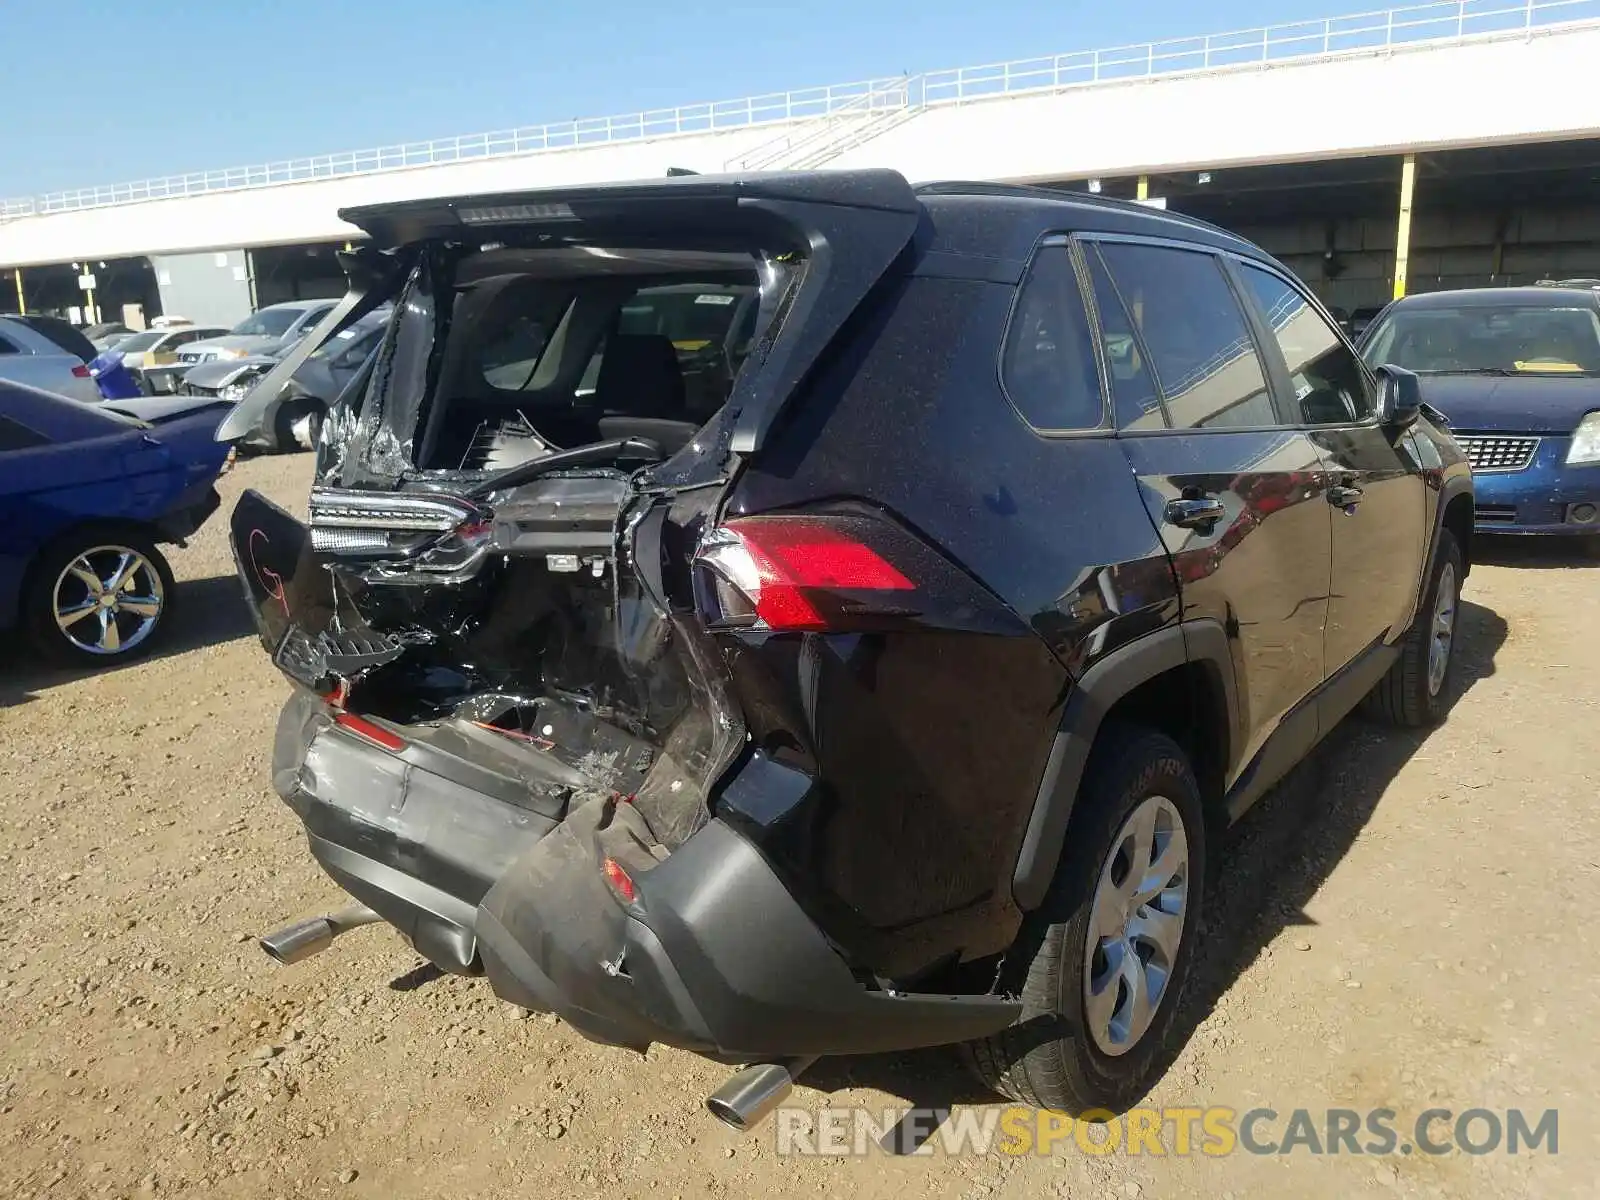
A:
[(808, 614)]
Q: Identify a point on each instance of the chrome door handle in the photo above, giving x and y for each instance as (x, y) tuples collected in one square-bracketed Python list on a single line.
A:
[(1194, 514), (1344, 496)]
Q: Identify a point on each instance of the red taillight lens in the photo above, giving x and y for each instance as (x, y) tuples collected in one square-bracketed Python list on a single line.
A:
[(619, 880), (775, 570), (363, 728), (81, 372)]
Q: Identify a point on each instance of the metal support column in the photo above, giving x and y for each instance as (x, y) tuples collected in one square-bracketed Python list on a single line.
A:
[(22, 303), (1402, 242), (1144, 187)]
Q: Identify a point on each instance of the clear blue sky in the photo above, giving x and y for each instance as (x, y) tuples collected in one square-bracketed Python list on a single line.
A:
[(103, 91)]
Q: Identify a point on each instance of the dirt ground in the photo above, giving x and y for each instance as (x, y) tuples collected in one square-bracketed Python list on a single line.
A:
[(1406, 923)]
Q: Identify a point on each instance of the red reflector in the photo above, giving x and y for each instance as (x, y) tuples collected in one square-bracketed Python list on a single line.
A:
[(793, 554), (81, 372), (375, 734), (618, 879)]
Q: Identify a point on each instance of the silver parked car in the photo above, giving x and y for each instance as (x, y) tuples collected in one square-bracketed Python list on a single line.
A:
[(27, 356), (293, 418), (271, 330)]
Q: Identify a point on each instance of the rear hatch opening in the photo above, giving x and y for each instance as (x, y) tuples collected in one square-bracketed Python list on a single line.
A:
[(500, 356), (511, 496)]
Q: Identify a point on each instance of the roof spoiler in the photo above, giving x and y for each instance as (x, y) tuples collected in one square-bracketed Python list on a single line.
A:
[(569, 210)]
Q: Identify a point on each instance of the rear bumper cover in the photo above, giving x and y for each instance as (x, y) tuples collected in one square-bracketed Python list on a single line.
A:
[(714, 955)]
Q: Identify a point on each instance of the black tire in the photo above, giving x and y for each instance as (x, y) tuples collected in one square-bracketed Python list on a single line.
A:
[(1406, 696), (101, 543), (1050, 1058)]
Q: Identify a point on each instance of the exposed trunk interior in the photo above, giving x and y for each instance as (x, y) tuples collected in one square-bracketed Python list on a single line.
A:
[(480, 499)]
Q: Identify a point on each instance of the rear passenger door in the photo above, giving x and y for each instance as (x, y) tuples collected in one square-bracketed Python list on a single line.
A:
[(1237, 495), (19, 364), (1376, 489)]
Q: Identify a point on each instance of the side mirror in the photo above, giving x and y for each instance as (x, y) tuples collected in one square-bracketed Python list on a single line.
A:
[(1399, 396)]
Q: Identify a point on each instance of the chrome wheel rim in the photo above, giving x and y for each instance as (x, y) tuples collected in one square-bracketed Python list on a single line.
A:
[(305, 430), (108, 600), (1442, 635), (1136, 925)]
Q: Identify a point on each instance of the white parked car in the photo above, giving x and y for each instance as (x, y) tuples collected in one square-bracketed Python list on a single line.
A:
[(159, 347), (29, 357)]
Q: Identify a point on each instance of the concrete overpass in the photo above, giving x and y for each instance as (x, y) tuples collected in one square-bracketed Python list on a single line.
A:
[(1380, 88)]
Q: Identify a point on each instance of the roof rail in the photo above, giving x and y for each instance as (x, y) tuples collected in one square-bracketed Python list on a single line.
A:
[(1083, 199)]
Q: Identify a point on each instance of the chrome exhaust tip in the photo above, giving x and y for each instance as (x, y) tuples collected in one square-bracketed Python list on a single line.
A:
[(305, 938), (751, 1095)]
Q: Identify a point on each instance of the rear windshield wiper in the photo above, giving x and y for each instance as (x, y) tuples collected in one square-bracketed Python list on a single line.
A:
[(617, 449)]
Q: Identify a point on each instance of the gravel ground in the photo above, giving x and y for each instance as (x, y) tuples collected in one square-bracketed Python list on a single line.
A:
[(1404, 923)]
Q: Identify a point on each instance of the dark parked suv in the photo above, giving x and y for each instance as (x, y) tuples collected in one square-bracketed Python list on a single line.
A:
[(884, 695)]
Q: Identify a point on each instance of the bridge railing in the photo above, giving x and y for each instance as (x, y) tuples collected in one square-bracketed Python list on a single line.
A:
[(771, 109), (1331, 37), (1442, 22)]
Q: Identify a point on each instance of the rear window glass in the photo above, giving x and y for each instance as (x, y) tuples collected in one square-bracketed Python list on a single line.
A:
[(61, 334), (1048, 366), (1204, 360)]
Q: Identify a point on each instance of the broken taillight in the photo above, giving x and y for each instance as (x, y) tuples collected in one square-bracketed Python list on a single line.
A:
[(620, 881), (374, 733), (785, 573), (425, 534)]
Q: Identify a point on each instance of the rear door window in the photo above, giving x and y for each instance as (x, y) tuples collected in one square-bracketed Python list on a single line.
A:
[(1330, 387), (1133, 386), (510, 357), (691, 317), (1048, 365), (14, 435), (1189, 321), (314, 316)]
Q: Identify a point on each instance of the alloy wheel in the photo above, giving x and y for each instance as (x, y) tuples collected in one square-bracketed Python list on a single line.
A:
[(1441, 638), (108, 600), (1136, 925)]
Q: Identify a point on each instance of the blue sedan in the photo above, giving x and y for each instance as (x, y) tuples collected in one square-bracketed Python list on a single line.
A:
[(86, 493), (1516, 371)]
